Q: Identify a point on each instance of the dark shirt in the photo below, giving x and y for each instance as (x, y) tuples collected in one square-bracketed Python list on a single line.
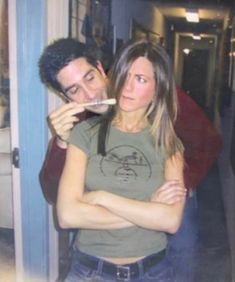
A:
[(201, 141)]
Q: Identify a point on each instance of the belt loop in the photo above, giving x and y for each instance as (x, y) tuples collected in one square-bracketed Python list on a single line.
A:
[(100, 266), (141, 267)]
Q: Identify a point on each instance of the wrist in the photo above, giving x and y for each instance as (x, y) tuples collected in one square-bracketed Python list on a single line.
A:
[(61, 143)]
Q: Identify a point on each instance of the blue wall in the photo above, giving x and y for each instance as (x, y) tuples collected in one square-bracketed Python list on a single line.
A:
[(31, 36)]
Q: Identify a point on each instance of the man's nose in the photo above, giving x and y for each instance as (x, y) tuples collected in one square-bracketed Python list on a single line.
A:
[(89, 93)]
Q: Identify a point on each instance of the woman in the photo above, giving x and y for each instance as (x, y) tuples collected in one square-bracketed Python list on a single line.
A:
[(116, 170)]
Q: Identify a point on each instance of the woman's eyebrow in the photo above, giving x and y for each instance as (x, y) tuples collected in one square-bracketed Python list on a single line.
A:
[(143, 75)]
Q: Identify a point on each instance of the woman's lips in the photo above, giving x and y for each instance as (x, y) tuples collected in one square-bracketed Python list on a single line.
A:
[(127, 98)]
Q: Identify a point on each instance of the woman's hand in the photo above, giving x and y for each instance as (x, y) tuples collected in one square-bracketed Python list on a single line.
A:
[(169, 193)]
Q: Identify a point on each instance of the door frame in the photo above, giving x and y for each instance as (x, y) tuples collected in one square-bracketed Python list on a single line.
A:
[(56, 17), (15, 138)]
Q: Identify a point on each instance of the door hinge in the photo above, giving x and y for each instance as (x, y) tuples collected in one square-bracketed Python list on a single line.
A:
[(15, 157)]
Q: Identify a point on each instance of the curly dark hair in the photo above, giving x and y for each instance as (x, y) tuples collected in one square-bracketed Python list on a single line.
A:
[(59, 54)]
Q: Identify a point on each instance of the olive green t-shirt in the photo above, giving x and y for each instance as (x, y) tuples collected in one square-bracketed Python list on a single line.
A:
[(131, 168)]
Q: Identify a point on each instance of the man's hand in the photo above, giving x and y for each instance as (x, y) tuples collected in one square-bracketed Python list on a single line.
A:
[(62, 121), (169, 193)]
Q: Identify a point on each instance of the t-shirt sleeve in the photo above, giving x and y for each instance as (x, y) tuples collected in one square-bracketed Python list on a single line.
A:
[(80, 137)]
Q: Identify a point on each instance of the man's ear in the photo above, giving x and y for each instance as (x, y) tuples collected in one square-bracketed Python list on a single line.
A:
[(100, 68)]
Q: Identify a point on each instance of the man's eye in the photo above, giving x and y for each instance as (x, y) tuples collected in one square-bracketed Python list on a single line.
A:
[(90, 77), (73, 90)]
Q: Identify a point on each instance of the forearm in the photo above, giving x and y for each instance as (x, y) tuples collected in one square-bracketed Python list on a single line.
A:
[(77, 214), (150, 215)]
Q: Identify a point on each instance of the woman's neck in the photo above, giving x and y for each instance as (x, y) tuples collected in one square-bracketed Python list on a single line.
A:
[(129, 122)]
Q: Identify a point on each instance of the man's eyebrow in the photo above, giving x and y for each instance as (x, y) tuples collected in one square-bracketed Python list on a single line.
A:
[(88, 72)]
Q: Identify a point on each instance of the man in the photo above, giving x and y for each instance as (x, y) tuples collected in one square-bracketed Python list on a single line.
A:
[(69, 68), (63, 67)]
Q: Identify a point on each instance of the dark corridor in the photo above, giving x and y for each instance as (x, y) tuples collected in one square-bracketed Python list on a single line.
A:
[(195, 73)]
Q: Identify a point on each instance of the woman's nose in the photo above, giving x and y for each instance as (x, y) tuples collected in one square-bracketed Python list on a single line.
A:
[(128, 83)]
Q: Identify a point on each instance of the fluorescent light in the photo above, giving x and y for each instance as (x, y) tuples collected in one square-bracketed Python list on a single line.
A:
[(192, 15), (196, 37), (186, 51)]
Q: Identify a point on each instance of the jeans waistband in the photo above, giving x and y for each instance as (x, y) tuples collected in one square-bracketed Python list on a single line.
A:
[(121, 272)]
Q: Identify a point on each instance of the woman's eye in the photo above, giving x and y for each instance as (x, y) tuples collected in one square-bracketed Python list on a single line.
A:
[(141, 79)]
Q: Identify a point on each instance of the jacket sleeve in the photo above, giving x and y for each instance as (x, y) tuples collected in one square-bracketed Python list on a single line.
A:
[(202, 142), (51, 171)]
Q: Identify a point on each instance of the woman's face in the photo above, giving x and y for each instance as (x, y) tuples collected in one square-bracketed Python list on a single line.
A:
[(139, 88)]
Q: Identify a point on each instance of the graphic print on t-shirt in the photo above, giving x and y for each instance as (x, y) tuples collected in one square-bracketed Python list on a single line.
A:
[(126, 164)]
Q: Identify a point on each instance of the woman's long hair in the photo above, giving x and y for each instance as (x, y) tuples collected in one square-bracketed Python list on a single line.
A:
[(163, 110)]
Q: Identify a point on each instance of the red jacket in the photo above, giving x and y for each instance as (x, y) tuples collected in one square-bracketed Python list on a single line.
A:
[(201, 141)]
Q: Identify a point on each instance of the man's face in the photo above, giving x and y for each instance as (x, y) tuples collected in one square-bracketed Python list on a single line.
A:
[(82, 83)]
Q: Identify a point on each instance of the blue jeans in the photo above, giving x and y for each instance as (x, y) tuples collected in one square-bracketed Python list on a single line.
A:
[(79, 272), (182, 246)]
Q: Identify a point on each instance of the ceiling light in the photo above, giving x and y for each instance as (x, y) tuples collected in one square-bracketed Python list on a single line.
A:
[(192, 15), (186, 51), (196, 37)]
